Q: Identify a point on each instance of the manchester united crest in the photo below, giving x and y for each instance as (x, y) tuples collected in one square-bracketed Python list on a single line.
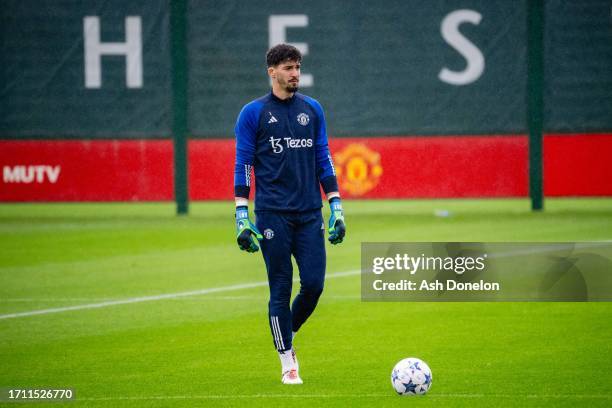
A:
[(358, 168), (303, 119)]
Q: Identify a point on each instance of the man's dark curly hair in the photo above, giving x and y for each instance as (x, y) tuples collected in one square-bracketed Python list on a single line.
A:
[(281, 53)]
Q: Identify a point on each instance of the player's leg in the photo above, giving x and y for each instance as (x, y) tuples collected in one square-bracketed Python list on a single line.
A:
[(276, 250), (309, 252)]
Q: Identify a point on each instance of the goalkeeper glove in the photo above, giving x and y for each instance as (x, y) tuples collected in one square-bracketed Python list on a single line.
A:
[(337, 229), (247, 234)]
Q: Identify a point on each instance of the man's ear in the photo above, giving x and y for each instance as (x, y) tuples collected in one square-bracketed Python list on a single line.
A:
[(271, 72)]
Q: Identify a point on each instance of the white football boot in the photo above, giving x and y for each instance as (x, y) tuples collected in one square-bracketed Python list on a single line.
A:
[(291, 377), (290, 368)]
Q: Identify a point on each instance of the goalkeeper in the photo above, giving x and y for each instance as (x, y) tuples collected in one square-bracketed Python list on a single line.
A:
[(281, 136)]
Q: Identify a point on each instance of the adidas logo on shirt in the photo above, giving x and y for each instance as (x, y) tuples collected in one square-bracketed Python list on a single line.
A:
[(272, 119)]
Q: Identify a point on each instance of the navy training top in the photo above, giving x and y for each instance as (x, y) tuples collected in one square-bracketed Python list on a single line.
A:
[(285, 142)]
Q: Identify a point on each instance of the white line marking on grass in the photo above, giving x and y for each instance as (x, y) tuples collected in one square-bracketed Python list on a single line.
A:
[(186, 298), (141, 299), (185, 397), (261, 284), (67, 299), (355, 395)]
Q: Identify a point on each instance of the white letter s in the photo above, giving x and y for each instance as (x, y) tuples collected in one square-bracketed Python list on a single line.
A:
[(475, 60)]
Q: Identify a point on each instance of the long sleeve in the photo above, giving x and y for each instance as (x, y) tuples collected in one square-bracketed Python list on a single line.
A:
[(325, 165), (246, 138)]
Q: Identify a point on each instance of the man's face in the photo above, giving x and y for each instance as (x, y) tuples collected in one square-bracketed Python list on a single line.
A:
[(287, 74)]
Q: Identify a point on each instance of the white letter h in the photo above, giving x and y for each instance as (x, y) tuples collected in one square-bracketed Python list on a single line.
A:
[(94, 49)]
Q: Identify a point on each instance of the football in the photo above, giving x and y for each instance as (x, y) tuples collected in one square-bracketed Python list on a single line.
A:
[(411, 376)]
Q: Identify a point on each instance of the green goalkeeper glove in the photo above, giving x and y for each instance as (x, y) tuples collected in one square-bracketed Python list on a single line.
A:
[(247, 233), (336, 229)]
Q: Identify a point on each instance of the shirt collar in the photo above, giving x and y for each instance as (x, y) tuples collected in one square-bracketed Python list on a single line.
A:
[(276, 98)]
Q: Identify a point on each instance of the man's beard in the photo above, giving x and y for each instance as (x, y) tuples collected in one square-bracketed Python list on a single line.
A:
[(291, 87)]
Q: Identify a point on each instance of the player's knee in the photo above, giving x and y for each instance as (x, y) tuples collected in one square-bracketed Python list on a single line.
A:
[(279, 299), (312, 288)]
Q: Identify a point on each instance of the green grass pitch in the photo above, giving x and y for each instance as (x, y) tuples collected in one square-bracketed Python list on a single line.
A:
[(215, 349)]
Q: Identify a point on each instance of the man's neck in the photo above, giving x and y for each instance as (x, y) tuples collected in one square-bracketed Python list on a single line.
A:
[(282, 93)]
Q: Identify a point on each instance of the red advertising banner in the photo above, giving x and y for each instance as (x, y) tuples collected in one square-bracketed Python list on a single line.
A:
[(391, 167), (432, 167), (579, 165), (86, 170), (211, 169), (381, 167)]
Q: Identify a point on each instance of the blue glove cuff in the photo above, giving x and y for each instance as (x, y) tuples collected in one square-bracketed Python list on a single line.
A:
[(242, 212), (335, 204)]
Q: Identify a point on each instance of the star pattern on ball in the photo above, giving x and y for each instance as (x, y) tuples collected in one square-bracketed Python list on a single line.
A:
[(410, 387)]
